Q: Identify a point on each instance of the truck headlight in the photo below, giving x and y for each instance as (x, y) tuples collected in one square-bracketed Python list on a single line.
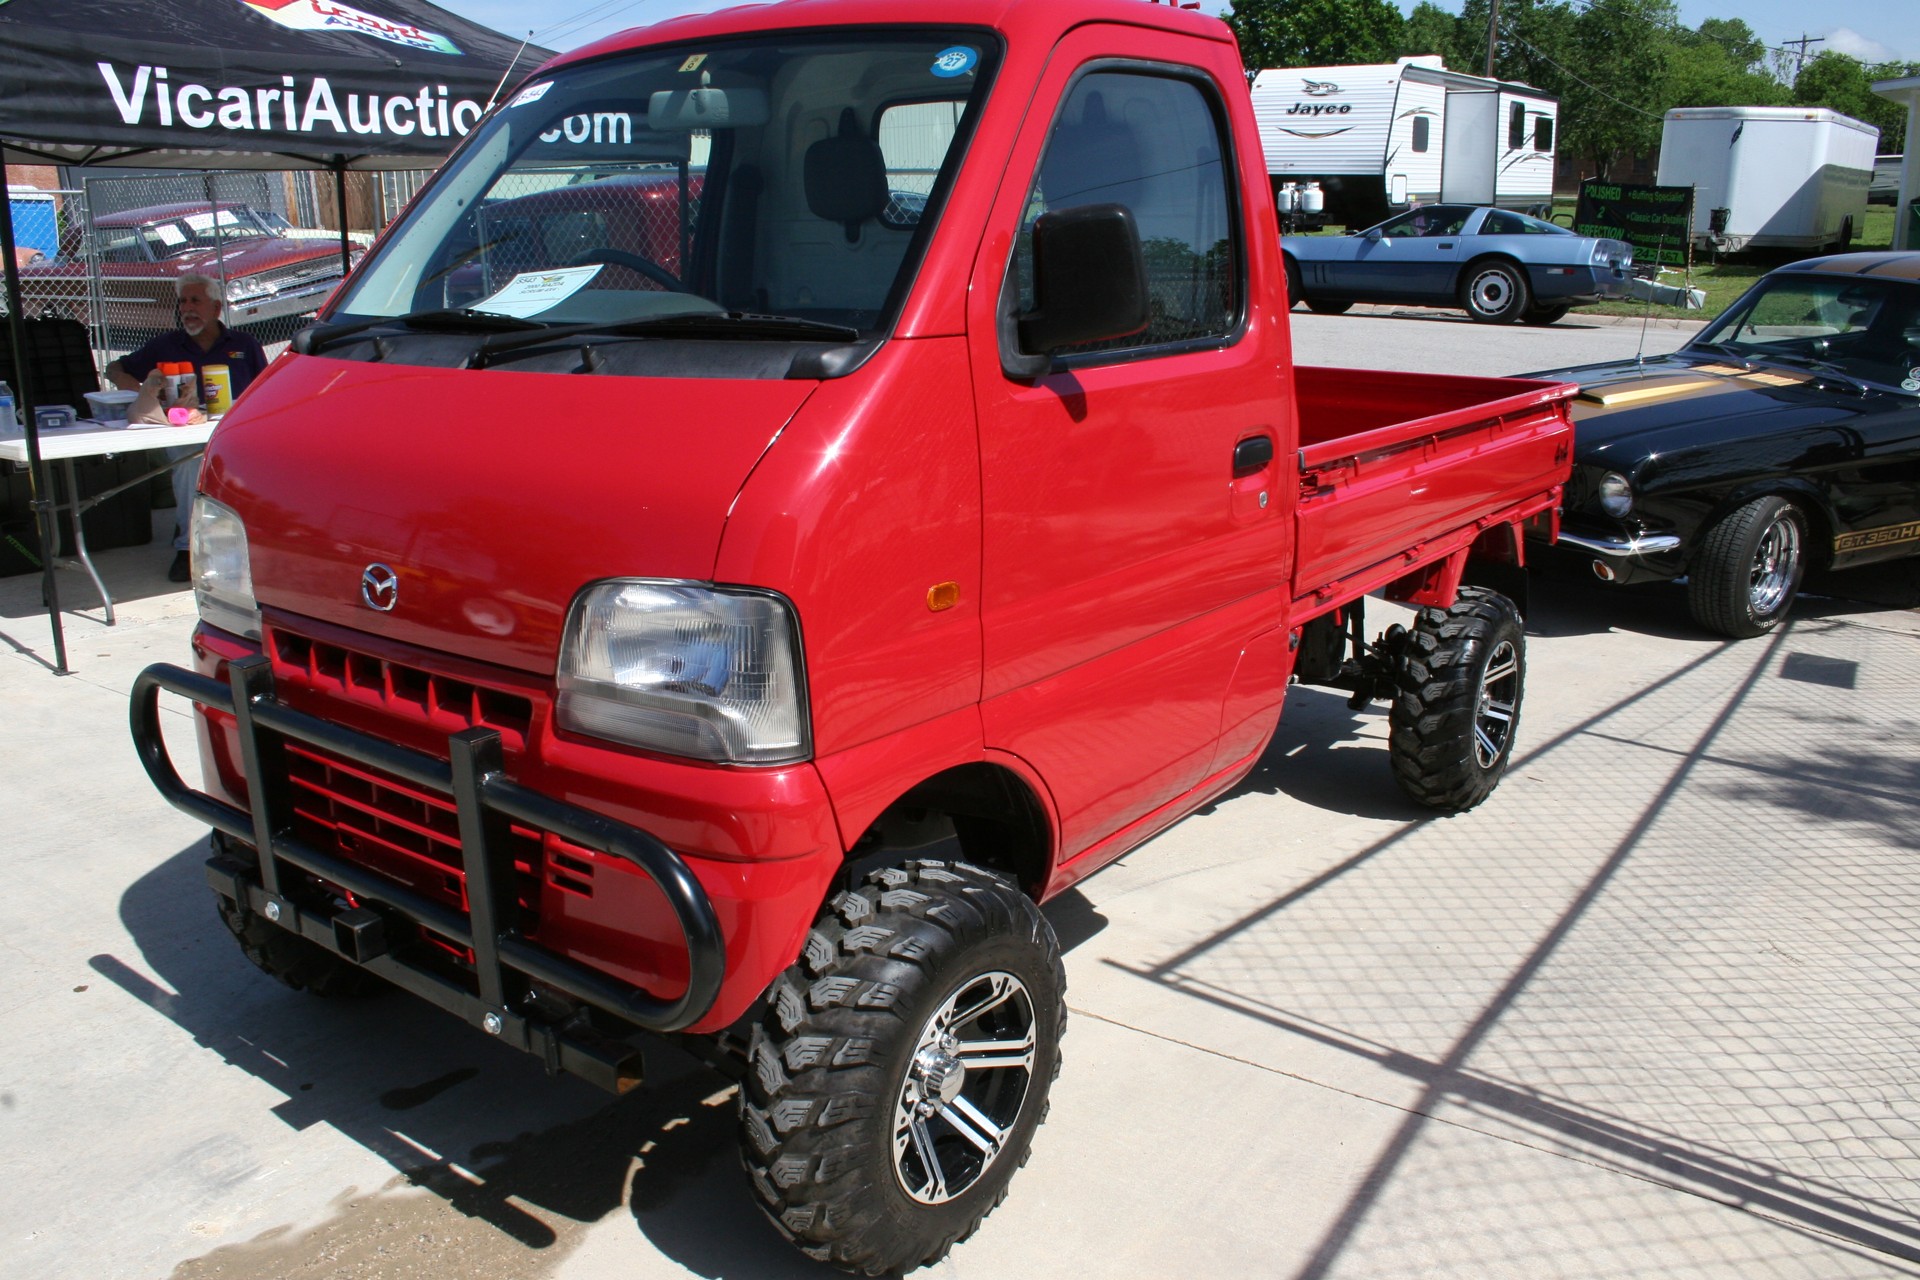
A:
[(222, 571), (685, 668), (1615, 495)]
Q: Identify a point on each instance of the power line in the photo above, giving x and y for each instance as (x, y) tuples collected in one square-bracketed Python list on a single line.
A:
[(1576, 79), (585, 18)]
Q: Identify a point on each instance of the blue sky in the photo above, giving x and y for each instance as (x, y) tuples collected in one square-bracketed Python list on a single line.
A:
[(1872, 30)]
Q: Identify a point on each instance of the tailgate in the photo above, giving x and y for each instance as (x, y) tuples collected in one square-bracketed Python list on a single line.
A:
[(1391, 464)]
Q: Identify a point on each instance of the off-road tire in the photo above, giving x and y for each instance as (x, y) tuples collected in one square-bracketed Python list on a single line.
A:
[(1543, 316), (1748, 567), (1461, 675), (300, 964), (1494, 292), (843, 1037), (1328, 307)]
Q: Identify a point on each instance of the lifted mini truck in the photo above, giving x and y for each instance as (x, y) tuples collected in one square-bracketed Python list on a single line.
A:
[(742, 649)]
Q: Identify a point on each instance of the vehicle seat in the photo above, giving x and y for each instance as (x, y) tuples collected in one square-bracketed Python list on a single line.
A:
[(846, 177)]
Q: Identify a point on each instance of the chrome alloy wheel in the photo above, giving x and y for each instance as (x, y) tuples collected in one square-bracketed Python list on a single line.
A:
[(969, 1076), (1494, 708), (1776, 562), (1492, 292)]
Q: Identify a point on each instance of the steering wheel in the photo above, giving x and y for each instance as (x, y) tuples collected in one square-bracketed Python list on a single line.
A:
[(633, 262)]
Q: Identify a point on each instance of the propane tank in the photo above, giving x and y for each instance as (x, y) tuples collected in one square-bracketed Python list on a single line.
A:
[(1313, 201), (1287, 198)]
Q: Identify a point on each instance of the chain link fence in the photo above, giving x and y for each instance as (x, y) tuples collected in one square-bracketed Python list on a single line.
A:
[(271, 237)]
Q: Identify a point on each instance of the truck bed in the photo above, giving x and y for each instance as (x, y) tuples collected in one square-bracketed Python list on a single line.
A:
[(1398, 470)]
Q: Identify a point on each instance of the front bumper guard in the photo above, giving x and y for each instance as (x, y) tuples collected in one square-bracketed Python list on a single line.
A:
[(484, 799)]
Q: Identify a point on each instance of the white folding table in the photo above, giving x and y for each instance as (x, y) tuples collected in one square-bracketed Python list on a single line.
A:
[(93, 440)]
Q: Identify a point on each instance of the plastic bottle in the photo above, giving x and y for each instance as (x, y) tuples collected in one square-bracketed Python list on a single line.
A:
[(216, 390), (7, 419)]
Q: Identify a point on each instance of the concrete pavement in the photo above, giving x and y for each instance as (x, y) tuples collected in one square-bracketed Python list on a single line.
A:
[(1648, 1012)]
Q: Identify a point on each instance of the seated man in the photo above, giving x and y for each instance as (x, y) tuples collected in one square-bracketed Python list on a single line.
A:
[(200, 340)]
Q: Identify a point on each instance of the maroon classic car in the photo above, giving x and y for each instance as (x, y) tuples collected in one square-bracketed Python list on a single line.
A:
[(141, 252)]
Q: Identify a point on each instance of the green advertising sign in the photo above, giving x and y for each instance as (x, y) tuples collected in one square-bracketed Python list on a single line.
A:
[(1656, 221)]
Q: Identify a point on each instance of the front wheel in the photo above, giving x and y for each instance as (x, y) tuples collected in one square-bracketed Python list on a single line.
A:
[(1295, 295), (1494, 293), (1747, 571), (902, 1066), (1328, 307), (1461, 673)]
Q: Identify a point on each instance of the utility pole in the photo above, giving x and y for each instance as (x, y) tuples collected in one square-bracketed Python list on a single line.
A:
[(1800, 58), (1493, 34)]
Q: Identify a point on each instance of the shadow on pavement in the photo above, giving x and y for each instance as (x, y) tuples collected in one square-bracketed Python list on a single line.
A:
[(1727, 1032), (520, 1164)]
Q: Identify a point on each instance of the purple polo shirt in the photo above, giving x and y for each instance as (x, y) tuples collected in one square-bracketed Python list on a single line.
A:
[(240, 352)]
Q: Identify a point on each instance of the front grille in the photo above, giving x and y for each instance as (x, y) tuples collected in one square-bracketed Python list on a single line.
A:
[(408, 692), (406, 833), (292, 273)]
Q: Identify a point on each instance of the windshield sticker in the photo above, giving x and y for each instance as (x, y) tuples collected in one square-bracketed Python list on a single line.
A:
[(531, 292), (956, 61), (693, 62), (532, 93), (169, 234)]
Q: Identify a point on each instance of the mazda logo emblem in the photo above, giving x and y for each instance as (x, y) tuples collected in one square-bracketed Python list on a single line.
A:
[(380, 587)]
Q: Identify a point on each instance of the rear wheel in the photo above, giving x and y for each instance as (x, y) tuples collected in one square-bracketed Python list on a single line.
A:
[(1494, 292), (1544, 315), (1461, 676), (902, 1066), (1294, 295), (1327, 307), (1747, 571)]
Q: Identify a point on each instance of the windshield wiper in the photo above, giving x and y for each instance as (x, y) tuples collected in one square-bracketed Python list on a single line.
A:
[(696, 324), (433, 319), (1726, 349), (1825, 371)]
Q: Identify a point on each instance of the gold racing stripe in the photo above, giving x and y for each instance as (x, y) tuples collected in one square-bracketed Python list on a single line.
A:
[(1888, 535)]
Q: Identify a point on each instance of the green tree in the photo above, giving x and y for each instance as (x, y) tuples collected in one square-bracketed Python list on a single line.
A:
[(1845, 84), (1431, 29), (1612, 108), (1745, 50), (1314, 33), (1720, 65)]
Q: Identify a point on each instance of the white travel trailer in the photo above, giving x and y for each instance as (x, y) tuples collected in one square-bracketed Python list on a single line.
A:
[(1770, 177), (1377, 138)]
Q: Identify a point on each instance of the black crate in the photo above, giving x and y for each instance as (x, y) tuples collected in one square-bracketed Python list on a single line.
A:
[(124, 520)]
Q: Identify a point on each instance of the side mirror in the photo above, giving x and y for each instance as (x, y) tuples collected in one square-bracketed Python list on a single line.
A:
[(1089, 285), (1374, 233)]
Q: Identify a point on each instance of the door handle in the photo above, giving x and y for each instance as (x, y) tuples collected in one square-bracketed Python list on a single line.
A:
[(1252, 456), (1446, 244)]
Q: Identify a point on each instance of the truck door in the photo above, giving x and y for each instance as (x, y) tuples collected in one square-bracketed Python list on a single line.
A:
[(1124, 565)]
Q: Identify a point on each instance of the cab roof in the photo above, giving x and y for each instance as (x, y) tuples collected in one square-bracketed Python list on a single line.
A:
[(1020, 20)]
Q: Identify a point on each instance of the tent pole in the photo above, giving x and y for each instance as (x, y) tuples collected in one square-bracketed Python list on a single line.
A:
[(340, 197), (44, 517)]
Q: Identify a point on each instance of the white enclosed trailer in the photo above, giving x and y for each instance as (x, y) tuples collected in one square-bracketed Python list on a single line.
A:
[(1770, 177), (1380, 137)]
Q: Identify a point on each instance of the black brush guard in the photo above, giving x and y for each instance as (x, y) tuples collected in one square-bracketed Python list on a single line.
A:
[(485, 800)]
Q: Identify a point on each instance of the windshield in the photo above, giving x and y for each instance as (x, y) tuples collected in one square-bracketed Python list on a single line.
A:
[(777, 176), (1862, 328)]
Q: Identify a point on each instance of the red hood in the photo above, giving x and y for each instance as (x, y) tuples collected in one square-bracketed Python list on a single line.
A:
[(493, 495)]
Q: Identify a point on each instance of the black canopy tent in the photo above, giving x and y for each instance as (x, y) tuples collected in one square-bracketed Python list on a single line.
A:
[(232, 84)]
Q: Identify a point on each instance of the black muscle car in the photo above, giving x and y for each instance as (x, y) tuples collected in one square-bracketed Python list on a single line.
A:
[(1786, 436)]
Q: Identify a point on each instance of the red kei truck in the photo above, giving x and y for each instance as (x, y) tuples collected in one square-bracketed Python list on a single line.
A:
[(741, 649)]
